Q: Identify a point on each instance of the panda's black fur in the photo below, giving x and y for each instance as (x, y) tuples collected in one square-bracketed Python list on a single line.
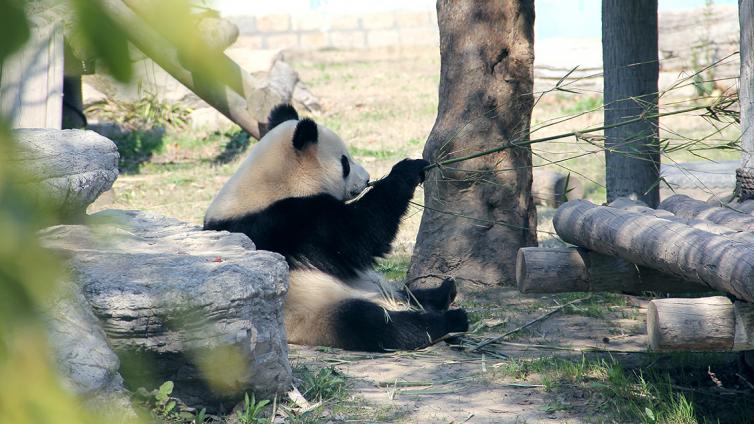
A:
[(324, 234)]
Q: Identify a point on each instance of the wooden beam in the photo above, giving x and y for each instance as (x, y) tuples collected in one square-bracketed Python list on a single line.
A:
[(670, 247), (569, 269)]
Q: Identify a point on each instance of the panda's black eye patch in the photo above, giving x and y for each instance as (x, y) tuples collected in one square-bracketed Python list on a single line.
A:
[(346, 166)]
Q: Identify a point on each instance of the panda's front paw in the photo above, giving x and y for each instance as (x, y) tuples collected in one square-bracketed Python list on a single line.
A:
[(410, 170)]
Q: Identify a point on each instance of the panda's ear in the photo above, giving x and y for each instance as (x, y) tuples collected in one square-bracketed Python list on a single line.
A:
[(281, 113), (305, 133)]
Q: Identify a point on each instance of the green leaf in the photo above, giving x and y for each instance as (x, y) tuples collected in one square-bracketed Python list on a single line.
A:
[(14, 28), (104, 37), (169, 407), (166, 389), (650, 414)]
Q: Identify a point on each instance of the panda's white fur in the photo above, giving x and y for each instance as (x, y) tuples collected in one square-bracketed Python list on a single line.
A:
[(289, 196), (274, 171)]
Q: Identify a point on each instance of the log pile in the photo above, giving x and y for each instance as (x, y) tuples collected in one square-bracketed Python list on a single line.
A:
[(685, 246)]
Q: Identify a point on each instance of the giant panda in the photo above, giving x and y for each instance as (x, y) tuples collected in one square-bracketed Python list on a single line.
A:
[(291, 195)]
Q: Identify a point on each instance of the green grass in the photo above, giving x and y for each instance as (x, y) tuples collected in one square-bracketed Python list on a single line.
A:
[(679, 395), (393, 267)]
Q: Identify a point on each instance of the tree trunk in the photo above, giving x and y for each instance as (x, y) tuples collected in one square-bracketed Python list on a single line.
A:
[(631, 69), (479, 212), (746, 96), (673, 248)]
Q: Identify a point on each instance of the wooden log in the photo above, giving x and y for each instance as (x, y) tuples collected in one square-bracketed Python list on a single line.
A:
[(552, 189), (703, 324), (671, 247), (700, 224), (569, 269), (220, 96), (747, 206), (686, 207)]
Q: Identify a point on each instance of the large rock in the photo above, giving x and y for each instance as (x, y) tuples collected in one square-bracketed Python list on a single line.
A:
[(200, 308), (88, 365), (71, 167)]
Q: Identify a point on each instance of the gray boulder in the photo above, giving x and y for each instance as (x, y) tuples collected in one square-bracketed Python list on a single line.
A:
[(85, 360), (200, 308), (66, 169)]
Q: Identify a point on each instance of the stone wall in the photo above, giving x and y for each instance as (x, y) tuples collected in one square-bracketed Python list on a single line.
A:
[(315, 30)]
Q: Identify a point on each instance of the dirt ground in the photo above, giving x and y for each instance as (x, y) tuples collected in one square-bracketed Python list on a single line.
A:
[(585, 363)]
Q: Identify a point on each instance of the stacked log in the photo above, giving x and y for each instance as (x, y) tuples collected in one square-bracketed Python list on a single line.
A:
[(685, 246)]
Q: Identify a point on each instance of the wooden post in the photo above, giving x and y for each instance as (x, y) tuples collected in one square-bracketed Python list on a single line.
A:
[(31, 80), (479, 212), (703, 324), (745, 174), (631, 69), (686, 207), (569, 269), (669, 247)]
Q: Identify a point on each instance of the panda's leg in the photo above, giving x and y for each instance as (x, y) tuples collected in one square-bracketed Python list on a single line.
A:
[(360, 324), (436, 298)]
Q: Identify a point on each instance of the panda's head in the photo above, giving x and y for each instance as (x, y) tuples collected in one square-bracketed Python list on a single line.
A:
[(296, 158)]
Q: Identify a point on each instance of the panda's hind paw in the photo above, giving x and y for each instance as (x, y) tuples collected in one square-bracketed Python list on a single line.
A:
[(456, 321)]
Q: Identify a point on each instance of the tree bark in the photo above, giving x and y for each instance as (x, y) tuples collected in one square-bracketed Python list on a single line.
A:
[(631, 69), (480, 211), (569, 269), (670, 247), (746, 93)]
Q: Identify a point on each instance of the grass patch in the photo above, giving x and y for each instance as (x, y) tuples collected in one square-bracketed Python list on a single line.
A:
[(599, 305), (324, 384), (394, 268), (378, 154), (582, 105), (683, 394)]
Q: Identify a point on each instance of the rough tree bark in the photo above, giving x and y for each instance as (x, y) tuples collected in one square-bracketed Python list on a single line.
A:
[(629, 56), (479, 212)]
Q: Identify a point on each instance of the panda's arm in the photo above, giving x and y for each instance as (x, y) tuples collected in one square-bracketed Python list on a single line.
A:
[(375, 218)]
